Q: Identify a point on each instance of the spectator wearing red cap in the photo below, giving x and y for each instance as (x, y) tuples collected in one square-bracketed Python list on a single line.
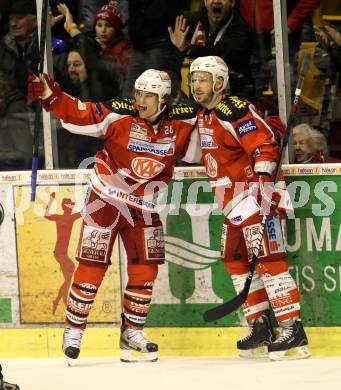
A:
[(104, 50), (88, 8)]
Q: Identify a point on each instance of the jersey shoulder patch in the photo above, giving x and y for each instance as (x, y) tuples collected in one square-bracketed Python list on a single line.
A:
[(182, 111), (232, 108), (122, 106)]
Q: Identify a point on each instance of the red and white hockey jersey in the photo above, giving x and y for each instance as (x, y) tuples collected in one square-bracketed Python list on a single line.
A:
[(235, 143), (137, 160)]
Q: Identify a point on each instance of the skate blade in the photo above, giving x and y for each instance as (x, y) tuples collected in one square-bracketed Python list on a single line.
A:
[(291, 354), (131, 356), (70, 362), (256, 353)]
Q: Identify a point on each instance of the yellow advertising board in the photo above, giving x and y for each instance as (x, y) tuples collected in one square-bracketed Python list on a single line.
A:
[(47, 236)]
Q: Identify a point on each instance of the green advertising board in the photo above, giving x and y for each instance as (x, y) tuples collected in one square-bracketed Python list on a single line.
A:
[(194, 279)]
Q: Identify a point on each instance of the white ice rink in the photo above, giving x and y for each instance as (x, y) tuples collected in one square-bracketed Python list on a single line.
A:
[(174, 374)]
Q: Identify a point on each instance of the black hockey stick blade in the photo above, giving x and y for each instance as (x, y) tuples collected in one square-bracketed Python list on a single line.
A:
[(233, 304), (224, 309)]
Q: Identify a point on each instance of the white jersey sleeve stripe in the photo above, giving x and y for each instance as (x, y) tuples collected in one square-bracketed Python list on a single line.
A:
[(228, 126), (193, 153), (93, 130)]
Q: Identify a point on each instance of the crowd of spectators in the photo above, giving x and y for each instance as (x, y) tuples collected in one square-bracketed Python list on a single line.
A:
[(100, 47)]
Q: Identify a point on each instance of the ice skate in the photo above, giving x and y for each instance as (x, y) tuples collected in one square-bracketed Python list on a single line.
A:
[(292, 343), (72, 343), (5, 385), (254, 345), (135, 347)]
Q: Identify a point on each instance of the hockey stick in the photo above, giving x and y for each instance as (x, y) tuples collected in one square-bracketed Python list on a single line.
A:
[(35, 146), (228, 307)]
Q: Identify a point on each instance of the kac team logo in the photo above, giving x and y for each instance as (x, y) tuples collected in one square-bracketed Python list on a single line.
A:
[(146, 168)]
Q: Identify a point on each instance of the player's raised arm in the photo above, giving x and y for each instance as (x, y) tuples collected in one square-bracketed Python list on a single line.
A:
[(92, 119)]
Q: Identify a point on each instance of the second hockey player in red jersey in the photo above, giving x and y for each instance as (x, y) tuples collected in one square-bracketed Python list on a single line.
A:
[(143, 139), (240, 154)]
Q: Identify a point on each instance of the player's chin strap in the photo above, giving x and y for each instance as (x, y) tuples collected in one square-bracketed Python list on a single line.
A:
[(161, 110), (228, 307)]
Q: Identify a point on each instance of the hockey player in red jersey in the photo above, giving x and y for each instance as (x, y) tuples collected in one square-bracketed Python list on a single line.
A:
[(143, 139), (240, 154)]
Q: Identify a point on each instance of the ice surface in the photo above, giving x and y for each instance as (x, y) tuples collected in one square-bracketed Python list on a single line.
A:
[(174, 373)]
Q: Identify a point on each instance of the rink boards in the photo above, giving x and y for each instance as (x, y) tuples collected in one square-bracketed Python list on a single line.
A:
[(37, 252)]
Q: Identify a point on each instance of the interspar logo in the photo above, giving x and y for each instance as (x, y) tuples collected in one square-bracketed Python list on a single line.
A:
[(146, 168)]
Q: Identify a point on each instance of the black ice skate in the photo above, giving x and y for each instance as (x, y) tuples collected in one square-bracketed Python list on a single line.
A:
[(135, 347), (72, 342), (5, 385), (292, 343), (261, 334)]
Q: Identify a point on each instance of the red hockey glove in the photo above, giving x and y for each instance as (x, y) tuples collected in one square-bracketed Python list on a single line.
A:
[(52, 91), (262, 187), (43, 88), (35, 87)]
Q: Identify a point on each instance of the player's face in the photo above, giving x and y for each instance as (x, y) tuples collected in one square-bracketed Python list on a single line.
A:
[(105, 32), (301, 148), (202, 87), (147, 104)]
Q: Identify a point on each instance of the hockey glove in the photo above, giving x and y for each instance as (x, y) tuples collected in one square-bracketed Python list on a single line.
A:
[(43, 88), (262, 187), (35, 87)]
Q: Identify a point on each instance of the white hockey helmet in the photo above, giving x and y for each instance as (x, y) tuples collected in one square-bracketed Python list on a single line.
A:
[(214, 65), (155, 81)]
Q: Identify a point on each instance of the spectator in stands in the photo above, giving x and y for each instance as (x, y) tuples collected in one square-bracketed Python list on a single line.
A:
[(76, 80), (259, 15), (16, 119), (19, 47), (329, 39), (88, 9), (105, 50), (81, 81), (218, 30), (327, 58), (148, 22), (310, 145)]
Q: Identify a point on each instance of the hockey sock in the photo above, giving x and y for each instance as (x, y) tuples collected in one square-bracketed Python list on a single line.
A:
[(257, 300), (138, 294), (86, 282), (282, 291)]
